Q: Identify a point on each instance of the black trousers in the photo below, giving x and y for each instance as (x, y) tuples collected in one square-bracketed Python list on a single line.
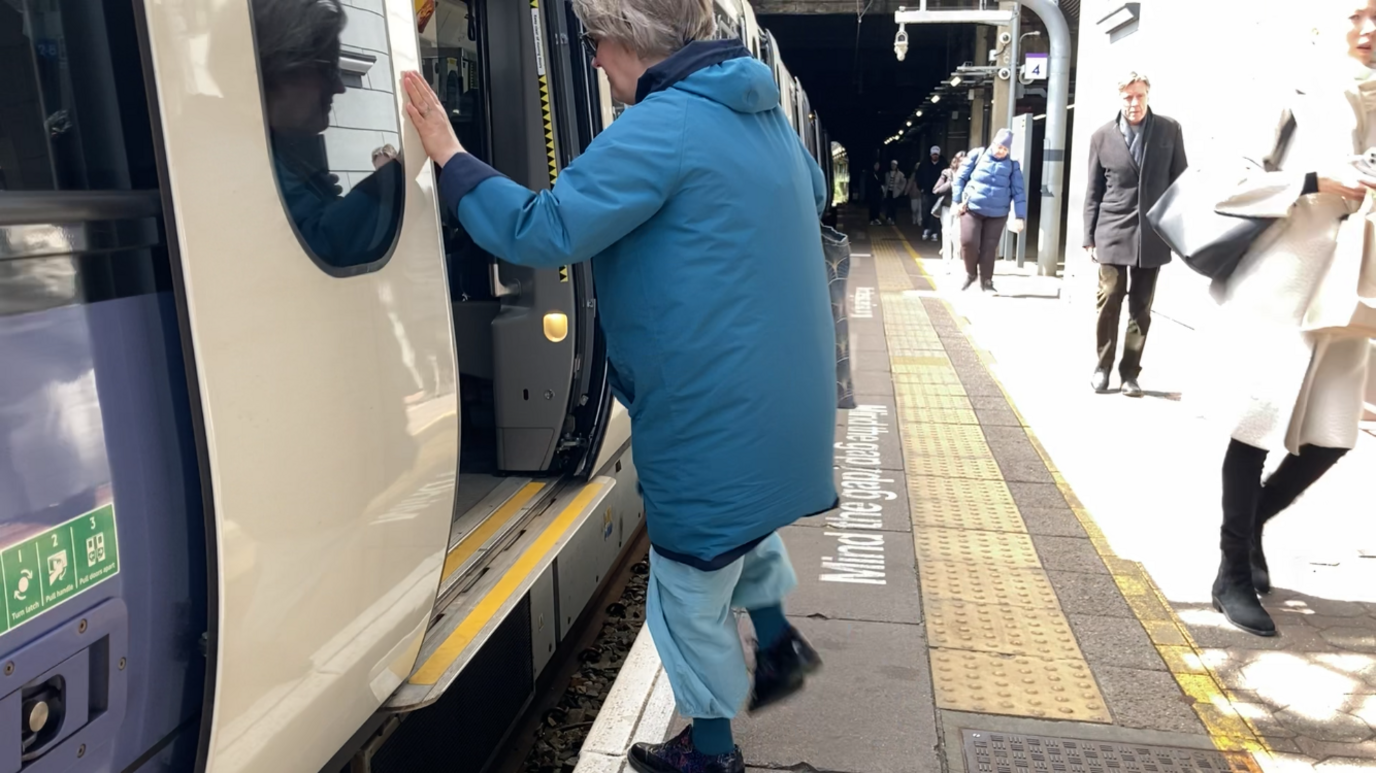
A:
[(979, 243), (1138, 285), (875, 205), (1248, 503), (891, 208)]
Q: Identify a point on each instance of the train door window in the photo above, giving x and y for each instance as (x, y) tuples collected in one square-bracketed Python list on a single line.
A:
[(334, 133), (452, 56), (78, 174)]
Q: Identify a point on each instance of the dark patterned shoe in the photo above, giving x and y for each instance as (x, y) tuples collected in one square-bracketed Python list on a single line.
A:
[(781, 670), (677, 755)]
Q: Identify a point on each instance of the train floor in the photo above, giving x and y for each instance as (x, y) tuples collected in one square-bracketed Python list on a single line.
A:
[(1033, 592)]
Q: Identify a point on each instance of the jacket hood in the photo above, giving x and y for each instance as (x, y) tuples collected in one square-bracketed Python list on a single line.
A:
[(720, 70)]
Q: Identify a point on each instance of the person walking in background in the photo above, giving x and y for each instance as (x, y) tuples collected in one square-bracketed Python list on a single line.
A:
[(1133, 159), (914, 194), (950, 226), (927, 173), (988, 187), (895, 182), (874, 193), (729, 374), (1280, 386)]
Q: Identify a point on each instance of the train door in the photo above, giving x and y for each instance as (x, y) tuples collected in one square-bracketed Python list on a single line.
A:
[(313, 297), (532, 378)]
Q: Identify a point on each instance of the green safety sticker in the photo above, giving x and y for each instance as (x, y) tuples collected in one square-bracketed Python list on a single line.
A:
[(57, 565)]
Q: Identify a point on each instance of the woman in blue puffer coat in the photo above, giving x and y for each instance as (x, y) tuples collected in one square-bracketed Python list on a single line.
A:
[(988, 185), (698, 209)]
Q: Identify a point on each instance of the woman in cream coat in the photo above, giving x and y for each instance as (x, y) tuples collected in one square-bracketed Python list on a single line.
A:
[(1288, 389)]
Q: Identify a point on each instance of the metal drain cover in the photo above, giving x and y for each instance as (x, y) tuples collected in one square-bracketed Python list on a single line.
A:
[(987, 752)]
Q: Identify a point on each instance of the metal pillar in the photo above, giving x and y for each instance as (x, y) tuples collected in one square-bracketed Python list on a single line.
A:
[(1013, 44), (1053, 151), (1009, 248)]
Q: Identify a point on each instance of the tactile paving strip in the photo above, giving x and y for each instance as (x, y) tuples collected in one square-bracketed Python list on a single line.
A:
[(938, 415), (987, 584), (959, 441), (987, 752), (1002, 549), (956, 503), (948, 467), (988, 683), (915, 400), (999, 628), (914, 384), (1000, 643)]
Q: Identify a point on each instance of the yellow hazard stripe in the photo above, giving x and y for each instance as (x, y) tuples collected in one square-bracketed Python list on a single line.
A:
[(470, 544), (548, 117), (486, 609)]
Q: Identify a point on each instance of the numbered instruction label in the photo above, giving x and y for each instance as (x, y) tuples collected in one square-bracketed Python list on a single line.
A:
[(58, 564)]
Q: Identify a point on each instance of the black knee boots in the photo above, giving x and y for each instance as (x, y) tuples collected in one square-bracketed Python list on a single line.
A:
[(1294, 475), (1233, 593)]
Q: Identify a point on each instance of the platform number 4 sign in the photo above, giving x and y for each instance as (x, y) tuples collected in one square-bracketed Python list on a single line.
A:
[(1035, 67)]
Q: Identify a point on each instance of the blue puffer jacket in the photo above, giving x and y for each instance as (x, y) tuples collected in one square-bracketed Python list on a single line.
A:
[(990, 185), (699, 210)]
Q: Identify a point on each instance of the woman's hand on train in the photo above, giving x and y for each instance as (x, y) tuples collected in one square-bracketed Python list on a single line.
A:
[(1015, 225), (1347, 182), (430, 119)]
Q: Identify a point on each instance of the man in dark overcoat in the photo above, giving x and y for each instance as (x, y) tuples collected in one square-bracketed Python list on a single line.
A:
[(1133, 159)]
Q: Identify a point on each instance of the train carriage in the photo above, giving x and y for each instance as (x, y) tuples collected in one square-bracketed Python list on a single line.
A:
[(293, 476)]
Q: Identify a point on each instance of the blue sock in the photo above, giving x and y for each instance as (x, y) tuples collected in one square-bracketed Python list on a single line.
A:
[(770, 625), (713, 736)]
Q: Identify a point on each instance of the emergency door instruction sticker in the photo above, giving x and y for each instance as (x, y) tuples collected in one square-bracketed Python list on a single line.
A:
[(57, 565)]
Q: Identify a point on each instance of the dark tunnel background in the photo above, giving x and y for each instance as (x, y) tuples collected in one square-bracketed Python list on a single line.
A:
[(857, 86)]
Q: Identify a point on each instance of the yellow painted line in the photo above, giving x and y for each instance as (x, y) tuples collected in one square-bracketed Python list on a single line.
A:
[(468, 629), (1228, 729), (475, 539)]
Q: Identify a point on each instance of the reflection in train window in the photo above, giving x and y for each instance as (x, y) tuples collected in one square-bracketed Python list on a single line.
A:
[(330, 103)]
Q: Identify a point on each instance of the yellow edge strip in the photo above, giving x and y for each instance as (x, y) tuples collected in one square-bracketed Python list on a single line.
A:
[(475, 539), (434, 666), (1229, 730)]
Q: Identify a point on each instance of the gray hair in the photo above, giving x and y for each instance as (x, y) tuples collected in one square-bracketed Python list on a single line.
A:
[(1134, 77), (653, 29), (291, 34)]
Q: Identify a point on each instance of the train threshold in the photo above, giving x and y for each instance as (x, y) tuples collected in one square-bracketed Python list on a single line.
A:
[(975, 615)]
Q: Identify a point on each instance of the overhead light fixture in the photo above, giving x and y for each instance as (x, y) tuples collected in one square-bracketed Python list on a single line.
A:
[(910, 123), (919, 114), (936, 98), (955, 81), (1120, 17)]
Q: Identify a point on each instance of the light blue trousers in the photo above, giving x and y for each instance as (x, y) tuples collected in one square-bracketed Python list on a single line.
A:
[(689, 615)]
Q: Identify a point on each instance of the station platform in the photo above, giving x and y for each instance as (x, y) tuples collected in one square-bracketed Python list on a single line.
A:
[(983, 606)]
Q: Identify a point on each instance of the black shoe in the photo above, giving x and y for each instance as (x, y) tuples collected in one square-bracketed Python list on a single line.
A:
[(677, 755), (1131, 388), (1100, 381), (1236, 597), (987, 286), (1261, 573), (969, 281), (782, 669)]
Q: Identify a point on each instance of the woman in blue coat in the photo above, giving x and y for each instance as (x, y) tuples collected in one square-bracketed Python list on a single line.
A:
[(987, 187), (699, 209)]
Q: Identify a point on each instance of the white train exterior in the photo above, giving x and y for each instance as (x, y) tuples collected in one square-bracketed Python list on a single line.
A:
[(272, 499)]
